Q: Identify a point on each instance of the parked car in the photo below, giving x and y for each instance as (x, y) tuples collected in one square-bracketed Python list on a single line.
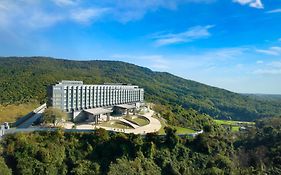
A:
[(6, 125)]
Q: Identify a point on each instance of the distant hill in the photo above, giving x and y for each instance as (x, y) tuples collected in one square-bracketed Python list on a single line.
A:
[(265, 97), (23, 79)]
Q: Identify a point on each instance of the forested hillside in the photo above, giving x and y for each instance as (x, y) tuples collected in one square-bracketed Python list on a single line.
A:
[(215, 152), (23, 79), (265, 97)]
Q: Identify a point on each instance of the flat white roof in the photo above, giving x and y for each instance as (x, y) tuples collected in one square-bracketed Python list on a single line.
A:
[(126, 106), (97, 111), (80, 83)]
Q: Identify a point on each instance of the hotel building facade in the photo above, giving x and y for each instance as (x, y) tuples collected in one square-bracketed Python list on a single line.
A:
[(71, 96)]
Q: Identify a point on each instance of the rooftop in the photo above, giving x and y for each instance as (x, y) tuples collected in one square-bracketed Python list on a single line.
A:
[(97, 111), (71, 82), (77, 83)]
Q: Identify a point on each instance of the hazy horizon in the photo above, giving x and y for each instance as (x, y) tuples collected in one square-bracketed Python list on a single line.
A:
[(234, 45)]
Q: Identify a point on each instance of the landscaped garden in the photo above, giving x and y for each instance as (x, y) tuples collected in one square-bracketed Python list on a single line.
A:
[(180, 130), (116, 124), (138, 120), (234, 125)]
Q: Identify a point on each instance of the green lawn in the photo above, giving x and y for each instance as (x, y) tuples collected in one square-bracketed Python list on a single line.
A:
[(115, 124), (234, 124), (139, 120), (11, 113), (235, 128), (180, 130)]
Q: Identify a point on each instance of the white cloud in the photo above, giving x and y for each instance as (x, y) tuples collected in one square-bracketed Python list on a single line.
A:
[(274, 11), (158, 61), (272, 68), (252, 3), (193, 33), (16, 13), (41, 20), (276, 51), (65, 2), (3, 7), (155, 62), (268, 71), (33, 14), (130, 10), (26, 14), (226, 68), (259, 62), (87, 15), (228, 52), (275, 64), (204, 60)]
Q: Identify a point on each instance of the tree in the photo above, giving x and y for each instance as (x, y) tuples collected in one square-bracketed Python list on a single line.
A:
[(171, 138), (85, 167), (102, 135), (139, 165), (4, 170), (54, 116)]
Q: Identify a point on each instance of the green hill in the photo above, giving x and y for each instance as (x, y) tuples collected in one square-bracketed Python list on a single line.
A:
[(265, 97), (23, 79)]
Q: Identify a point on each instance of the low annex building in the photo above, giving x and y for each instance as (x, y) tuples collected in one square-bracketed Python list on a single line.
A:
[(77, 98)]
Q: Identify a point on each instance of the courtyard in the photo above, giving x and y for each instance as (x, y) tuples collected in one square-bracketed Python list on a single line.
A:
[(137, 123)]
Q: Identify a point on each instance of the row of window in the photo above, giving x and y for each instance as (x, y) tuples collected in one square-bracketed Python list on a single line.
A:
[(69, 106), (80, 97)]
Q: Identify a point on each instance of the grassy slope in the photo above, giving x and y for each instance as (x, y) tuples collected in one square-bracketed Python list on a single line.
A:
[(115, 124), (232, 122), (138, 120), (23, 79), (235, 125), (11, 113), (180, 130)]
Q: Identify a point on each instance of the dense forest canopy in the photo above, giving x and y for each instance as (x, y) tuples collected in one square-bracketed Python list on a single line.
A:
[(265, 97), (215, 152), (24, 79)]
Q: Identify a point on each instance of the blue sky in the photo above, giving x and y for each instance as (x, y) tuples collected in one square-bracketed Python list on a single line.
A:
[(232, 44)]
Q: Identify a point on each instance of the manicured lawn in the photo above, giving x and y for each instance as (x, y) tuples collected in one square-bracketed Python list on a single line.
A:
[(115, 124), (232, 122), (181, 130), (235, 128), (11, 113), (139, 120)]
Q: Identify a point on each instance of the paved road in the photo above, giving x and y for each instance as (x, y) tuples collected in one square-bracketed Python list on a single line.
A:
[(130, 123), (32, 119), (153, 126)]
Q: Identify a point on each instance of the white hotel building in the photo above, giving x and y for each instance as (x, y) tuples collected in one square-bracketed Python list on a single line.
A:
[(74, 96)]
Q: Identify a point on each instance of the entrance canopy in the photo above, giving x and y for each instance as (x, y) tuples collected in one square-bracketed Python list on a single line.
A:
[(97, 111), (126, 106)]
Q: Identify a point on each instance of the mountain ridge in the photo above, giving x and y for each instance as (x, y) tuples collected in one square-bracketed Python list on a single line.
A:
[(26, 78)]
